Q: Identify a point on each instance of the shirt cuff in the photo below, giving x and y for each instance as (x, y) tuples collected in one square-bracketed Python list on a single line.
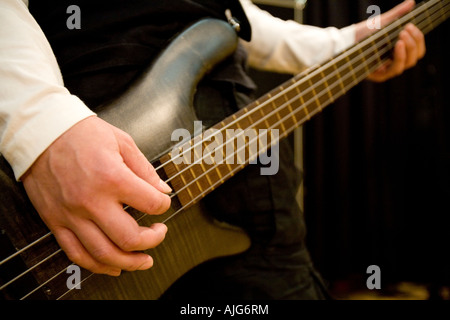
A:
[(61, 112)]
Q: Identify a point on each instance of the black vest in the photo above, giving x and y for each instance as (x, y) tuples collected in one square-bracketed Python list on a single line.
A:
[(117, 38)]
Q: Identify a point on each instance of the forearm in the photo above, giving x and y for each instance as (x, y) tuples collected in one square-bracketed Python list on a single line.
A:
[(290, 47), (35, 107)]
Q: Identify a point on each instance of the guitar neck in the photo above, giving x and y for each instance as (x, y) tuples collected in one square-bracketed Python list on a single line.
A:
[(289, 106), (310, 92)]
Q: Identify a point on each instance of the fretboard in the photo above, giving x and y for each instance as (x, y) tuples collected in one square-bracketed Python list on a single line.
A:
[(289, 106)]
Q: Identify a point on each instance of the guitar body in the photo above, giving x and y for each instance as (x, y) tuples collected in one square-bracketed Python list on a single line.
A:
[(153, 107), (31, 263)]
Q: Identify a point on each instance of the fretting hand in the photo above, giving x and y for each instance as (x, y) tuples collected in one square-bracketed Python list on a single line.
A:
[(79, 185), (408, 50)]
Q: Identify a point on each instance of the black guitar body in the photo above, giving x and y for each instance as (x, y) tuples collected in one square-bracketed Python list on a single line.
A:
[(153, 107)]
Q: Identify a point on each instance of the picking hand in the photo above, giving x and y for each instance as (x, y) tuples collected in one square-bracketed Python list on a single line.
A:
[(79, 185)]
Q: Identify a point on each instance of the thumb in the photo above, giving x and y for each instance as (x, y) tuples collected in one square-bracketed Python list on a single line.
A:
[(397, 12), (136, 161)]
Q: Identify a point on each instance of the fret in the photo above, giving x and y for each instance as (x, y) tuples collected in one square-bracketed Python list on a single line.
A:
[(201, 182), (263, 117), (358, 72), (378, 60), (287, 115), (330, 94), (172, 171), (250, 115), (291, 97), (278, 110), (292, 114), (271, 116), (303, 107), (430, 22), (315, 97), (284, 108), (236, 146), (346, 74), (363, 60), (351, 68), (245, 122), (197, 159), (249, 141), (206, 175), (304, 113), (339, 79), (263, 141), (441, 9), (308, 97), (336, 86), (301, 112), (389, 41), (188, 177), (293, 94), (214, 175), (203, 170), (220, 172)]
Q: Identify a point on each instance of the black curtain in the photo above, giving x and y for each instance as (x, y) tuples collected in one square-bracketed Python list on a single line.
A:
[(377, 162)]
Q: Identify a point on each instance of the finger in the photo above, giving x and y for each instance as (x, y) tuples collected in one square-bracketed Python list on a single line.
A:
[(393, 67), (396, 12), (399, 60), (77, 253), (139, 194), (103, 251), (138, 163), (379, 75), (125, 232), (411, 48), (419, 38)]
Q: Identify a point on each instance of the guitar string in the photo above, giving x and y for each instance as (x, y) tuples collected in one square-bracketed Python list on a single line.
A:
[(292, 128), (200, 195), (323, 92), (274, 112), (169, 218), (362, 77), (92, 274), (30, 269), (310, 89), (314, 72), (139, 219)]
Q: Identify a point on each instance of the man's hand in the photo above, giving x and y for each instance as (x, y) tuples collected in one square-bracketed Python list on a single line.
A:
[(79, 186), (409, 49)]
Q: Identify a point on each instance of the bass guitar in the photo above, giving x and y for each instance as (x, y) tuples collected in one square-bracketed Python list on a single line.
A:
[(33, 266)]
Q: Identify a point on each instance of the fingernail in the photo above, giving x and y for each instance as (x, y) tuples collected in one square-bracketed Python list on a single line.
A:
[(165, 187), (114, 272), (162, 226), (147, 264)]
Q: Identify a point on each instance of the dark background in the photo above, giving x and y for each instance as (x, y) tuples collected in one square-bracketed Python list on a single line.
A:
[(377, 161)]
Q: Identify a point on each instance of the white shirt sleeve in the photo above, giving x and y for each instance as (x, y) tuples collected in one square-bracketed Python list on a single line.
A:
[(35, 107), (289, 47)]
